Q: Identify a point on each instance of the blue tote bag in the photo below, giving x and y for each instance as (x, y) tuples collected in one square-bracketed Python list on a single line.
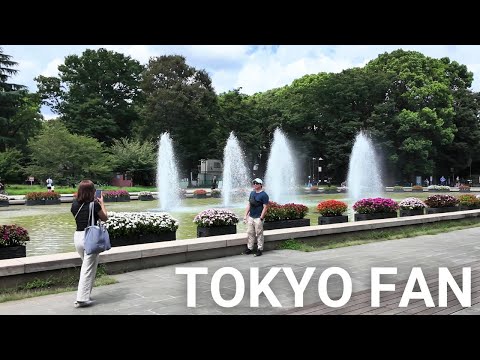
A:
[(97, 239)]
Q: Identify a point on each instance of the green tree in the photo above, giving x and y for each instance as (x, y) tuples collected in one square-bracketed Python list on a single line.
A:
[(179, 99), (95, 93), (418, 109), (65, 157), (11, 170), (237, 113), (11, 96), (136, 158)]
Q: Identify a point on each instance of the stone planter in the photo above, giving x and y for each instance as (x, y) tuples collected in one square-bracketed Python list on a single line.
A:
[(413, 212), (417, 191), (441, 210), (468, 207), (145, 197), (109, 199), (4, 203), (10, 252), (52, 201), (142, 239), (330, 192), (200, 196), (326, 220), (34, 202), (123, 199), (281, 224), (464, 191), (362, 217), (216, 230)]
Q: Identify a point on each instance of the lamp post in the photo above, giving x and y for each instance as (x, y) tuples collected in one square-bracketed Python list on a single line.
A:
[(319, 168), (313, 169)]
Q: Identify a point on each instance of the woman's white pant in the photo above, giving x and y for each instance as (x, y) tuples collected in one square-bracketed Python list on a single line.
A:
[(88, 270)]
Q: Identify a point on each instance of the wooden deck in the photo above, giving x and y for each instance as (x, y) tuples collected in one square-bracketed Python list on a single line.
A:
[(359, 303)]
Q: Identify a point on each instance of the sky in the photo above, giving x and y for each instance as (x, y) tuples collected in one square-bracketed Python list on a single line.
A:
[(253, 68)]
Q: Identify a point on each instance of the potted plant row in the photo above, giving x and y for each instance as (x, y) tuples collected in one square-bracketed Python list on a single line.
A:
[(12, 241), (42, 198), (116, 196), (375, 208), (130, 228), (331, 212), (285, 216), (213, 222)]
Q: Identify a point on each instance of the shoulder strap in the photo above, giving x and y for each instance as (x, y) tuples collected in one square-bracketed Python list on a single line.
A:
[(91, 214), (79, 210)]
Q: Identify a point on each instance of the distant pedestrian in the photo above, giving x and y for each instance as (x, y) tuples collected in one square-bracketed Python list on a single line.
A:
[(214, 182), (49, 183)]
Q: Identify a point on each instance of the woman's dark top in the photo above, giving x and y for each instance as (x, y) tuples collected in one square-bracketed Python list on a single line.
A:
[(82, 217)]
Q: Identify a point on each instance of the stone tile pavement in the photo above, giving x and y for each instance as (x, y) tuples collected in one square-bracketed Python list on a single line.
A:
[(159, 291)]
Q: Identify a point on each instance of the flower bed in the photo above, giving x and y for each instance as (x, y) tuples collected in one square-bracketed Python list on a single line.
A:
[(12, 241), (468, 202), (411, 206), (464, 188), (213, 222), (200, 194), (285, 216), (441, 203), (375, 208), (331, 212), (438, 188), (145, 196), (216, 193), (116, 196), (128, 228), (398, 188), (332, 208), (42, 198), (330, 190), (417, 188)]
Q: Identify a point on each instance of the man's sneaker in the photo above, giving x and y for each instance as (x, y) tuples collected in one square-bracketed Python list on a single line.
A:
[(79, 304), (258, 253), (247, 252)]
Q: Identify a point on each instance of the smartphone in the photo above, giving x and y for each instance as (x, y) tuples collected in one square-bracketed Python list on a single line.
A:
[(98, 193)]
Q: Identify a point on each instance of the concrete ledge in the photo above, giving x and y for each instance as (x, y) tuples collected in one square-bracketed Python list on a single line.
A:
[(134, 257), (11, 267)]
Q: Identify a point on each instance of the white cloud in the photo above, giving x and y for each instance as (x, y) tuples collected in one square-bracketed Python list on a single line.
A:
[(254, 68), (52, 67)]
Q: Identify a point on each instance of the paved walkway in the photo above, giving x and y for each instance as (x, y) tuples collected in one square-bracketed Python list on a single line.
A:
[(160, 291)]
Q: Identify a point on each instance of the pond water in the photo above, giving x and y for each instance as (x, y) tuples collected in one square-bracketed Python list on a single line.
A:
[(51, 227)]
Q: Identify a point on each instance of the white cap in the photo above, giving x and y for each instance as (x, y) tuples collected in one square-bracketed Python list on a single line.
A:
[(258, 180)]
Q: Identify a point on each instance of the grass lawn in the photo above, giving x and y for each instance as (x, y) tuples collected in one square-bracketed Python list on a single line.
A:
[(23, 189)]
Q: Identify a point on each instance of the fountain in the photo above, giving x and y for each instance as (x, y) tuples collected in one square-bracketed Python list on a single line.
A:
[(280, 178), (235, 179), (167, 175), (363, 180)]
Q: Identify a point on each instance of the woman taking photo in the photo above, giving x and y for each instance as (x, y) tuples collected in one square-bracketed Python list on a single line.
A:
[(81, 211)]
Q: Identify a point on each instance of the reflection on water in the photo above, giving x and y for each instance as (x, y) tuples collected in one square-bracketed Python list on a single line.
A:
[(51, 227)]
